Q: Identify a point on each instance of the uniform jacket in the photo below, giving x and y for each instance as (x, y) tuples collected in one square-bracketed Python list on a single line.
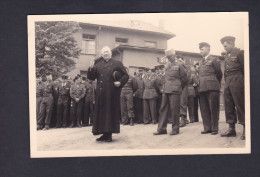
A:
[(210, 74), (90, 90), (234, 62), (129, 84), (159, 80), (48, 88), (175, 78), (77, 90), (191, 89), (107, 100), (138, 87), (64, 89), (39, 89), (149, 87)]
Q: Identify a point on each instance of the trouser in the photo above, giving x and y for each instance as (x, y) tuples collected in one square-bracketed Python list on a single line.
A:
[(88, 112), (45, 111), (62, 111), (191, 108), (139, 110), (76, 111), (170, 102), (209, 106), (196, 108), (158, 104), (38, 104), (234, 96), (127, 109), (184, 100), (54, 112), (149, 110)]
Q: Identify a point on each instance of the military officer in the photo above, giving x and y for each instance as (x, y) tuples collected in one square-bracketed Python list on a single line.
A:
[(126, 101), (46, 104), (191, 94), (234, 86), (63, 102), (175, 80), (39, 92), (77, 93), (149, 99), (138, 88), (210, 76), (88, 102)]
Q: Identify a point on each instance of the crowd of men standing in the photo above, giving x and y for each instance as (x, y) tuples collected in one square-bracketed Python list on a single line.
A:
[(166, 94)]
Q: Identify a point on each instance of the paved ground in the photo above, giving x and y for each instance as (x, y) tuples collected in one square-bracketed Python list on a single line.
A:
[(138, 136)]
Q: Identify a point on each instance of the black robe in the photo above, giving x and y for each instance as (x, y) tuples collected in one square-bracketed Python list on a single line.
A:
[(107, 100)]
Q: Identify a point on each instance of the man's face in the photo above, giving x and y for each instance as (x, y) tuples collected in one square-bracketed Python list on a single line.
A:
[(228, 46), (204, 51), (49, 77), (106, 54), (38, 79), (171, 58)]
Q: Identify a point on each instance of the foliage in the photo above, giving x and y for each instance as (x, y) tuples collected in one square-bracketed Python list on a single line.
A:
[(55, 47)]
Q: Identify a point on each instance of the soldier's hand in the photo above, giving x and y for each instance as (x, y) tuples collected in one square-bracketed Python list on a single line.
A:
[(77, 100), (117, 83), (91, 63), (133, 94)]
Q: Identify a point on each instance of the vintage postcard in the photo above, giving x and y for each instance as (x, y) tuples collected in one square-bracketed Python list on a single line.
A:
[(139, 84)]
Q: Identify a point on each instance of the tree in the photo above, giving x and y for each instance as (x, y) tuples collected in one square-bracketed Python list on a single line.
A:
[(55, 47)]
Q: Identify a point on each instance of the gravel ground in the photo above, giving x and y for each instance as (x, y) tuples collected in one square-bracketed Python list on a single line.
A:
[(138, 136)]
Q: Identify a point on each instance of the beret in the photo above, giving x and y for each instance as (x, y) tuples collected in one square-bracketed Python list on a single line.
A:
[(228, 39)]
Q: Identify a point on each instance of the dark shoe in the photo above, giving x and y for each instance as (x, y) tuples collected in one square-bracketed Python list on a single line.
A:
[(71, 125), (39, 127), (174, 132), (102, 138), (108, 139), (159, 133), (182, 122), (46, 127), (79, 125), (214, 132), (229, 133), (205, 132)]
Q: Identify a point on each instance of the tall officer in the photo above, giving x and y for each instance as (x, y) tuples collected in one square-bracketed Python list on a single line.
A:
[(39, 92), (138, 87), (210, 76), (77, 93), (175, 80), (234, 86), (46, 104), (149, 99), (126, 101), (88, 111), (63, 102)]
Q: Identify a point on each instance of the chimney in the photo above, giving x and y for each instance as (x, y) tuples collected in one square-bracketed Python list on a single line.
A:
[(161, 24)]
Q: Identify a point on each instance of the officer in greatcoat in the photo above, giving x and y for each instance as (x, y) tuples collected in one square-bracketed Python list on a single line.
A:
[(210, 76), (46, 106), (107, 100), (63, 102), (77, 93), (234, 94), (175, 80)]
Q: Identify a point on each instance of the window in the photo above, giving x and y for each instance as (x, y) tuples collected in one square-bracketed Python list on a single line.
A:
[(88, 44), (121, 41), (150, 44)]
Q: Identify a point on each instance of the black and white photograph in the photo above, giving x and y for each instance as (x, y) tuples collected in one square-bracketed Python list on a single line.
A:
[(139, 84)]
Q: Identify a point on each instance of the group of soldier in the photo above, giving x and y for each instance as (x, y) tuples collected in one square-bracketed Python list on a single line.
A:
[(161, 95)]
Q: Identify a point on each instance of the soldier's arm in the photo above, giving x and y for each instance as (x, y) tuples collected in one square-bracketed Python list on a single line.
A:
[(83, 92), (72, 95), (134, 82), (217, 66), (241, 59), (183, 76)]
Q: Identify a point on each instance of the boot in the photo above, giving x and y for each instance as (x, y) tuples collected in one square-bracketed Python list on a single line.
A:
[(175, 130), (231, 132), (131, 122), (243, 137), (182, 121)]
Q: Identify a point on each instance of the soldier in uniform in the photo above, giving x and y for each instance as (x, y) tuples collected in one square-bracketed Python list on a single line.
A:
[(197, 95), (46, 104), (138, 87), (210, 76), (77, 93), (149, 99), (88, 112), (234, 86), (126, 101), (158, 86), (63, 102), (184, 95), (191, 94), (175, 80), (55, 103), (39, 92)]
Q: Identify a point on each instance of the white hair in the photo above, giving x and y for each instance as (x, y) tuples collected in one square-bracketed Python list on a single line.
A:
[(105, 48)]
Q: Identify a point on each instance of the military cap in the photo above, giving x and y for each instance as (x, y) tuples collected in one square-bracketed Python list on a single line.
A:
[(76, 78), (179, 56), (228, 39), (84, 78), (169, 52), (64, 77), (203, 44)]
